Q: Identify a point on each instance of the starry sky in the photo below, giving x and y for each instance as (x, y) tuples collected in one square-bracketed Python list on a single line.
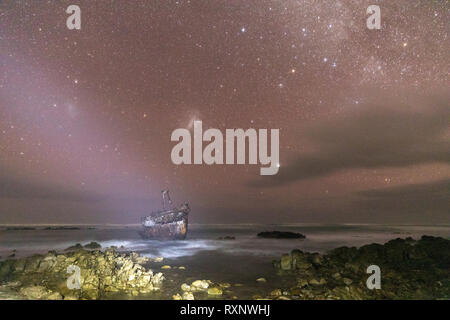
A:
[(86, 115)]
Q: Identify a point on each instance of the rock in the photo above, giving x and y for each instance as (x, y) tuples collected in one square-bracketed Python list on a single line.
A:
[(166, 267), (93, 245), (302, 283), (296, 291), (158, 259), (286, 262), (35, 292), (200, 285), (300, 260), (412, 269), (185, 287), (54, 296), (347, 281), (276, 293), (281, 235), (182, 268), (177, 297), (77, 246), (188, 296), (32, 263), (261, 280), (19, 266), (100, 272), (62, 228), (214, 291), (336, 276), (317, 259)]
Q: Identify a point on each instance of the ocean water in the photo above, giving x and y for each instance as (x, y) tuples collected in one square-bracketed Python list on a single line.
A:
[(204, 238), (242, 260)]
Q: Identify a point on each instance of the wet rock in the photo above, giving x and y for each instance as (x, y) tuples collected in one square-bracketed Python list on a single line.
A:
[(286, 262), (261, 280), (93, 245), (276, 293), (300, 260), (39, 292), (281, 235), (188, 296), (99, 273), (336, 276), (411, 269), (317, 259), (200, 285), (347, 281), (177, 297), (185, 287), (77, 246), (214, 291)]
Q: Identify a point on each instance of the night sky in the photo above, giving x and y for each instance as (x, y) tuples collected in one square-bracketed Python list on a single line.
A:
[(86, 115)]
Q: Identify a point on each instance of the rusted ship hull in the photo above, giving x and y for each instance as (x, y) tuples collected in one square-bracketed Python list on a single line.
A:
[(169, 231), (166, 224)]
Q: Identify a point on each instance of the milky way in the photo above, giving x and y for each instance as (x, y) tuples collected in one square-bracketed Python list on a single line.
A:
[(86, 115)]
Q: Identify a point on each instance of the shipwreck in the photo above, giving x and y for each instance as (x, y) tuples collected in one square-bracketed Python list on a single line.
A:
[(170, 223)]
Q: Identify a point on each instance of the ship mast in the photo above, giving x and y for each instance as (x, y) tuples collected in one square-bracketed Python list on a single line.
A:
[(165, 195)]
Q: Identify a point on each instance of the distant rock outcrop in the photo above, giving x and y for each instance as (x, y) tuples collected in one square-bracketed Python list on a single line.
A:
[(281, 235)]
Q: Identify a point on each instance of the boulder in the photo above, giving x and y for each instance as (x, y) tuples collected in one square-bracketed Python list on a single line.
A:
[(200, 285)]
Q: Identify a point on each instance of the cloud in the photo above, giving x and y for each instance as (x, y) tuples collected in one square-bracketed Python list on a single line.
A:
[(14, 188), (428, 199), (384, 133)]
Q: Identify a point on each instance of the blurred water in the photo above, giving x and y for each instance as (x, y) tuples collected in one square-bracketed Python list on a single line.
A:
[(203, 239)]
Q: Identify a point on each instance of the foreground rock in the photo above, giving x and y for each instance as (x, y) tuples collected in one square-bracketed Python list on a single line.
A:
[(54, 276), (281, 235), (409, 270)]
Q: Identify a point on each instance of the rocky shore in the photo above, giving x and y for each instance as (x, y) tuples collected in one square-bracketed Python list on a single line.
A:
[(410, 269), (101, 273)]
